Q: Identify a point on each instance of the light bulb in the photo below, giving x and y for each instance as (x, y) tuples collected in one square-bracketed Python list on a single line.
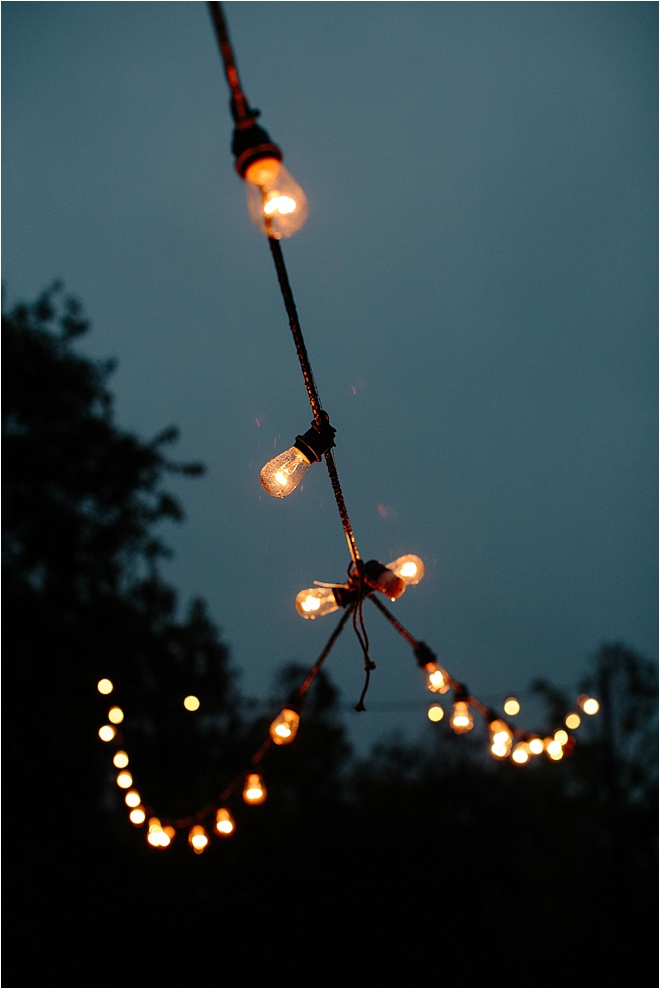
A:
[(283, 473), (224, 822), (436, 678), (409, 568), (314, 602), (198, 839), (461, 718), (285, 726), (501, 738), (521, 753), (254, 791), (276, 203)]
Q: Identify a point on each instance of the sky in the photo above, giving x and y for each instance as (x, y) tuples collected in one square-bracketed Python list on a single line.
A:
[(476, 287)]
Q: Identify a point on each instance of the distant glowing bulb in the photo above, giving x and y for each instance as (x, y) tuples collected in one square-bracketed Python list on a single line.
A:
[(561, 736), (107, 733), (120, 760), (191, 703), (124, 780), (437, 679), (132, 799), (254, 791), (461, 718), (511, 706), (156, 835), (536, 745), (224, 822), (520, 754), (116, 715), (104, 686), (198, 839), (588, 704), (572, 720), (501, 738), (137, 816), (435, 713), (285, 726), (554, 749)]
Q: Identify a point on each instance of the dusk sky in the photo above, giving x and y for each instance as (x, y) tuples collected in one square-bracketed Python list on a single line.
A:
[(476, 286)]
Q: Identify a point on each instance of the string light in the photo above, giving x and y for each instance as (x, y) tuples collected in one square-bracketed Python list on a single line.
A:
[(278, 207)]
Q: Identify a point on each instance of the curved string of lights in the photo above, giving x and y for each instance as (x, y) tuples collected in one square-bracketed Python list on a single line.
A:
[(278, 207)]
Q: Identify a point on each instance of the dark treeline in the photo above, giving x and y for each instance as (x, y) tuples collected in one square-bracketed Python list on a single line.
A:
[(422, 865)]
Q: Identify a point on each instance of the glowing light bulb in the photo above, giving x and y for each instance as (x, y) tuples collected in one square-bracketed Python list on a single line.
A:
[(282, 475), (588, 704), (436, 678), (191, 703), (520, 754), (104, 686), (276, 203), (132, 799), (501, 738), (536, 745), (124, 779), (224, 822), (120, 760), (198, 839), (137, 816), (435, 713), (511, 706), (116, 715), (409, 569), (572, 720), (254, 791), (107, 733), (461, 717), (285, 726), (156, 835)]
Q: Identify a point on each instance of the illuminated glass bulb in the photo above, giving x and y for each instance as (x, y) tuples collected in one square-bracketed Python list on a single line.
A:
[(461, 717), (137, 816), (107, 733), (254, 791), (409, 568), (520, 753), (511, 706), (435, 713), (554, 749), (283, 473), (436, 678), (198, 839), (536, 745), (124, 779), (285, 726), (120, 759), (501, 738), (116, 715), (276, 203), (572, 720), (224, 822), (104, 686), (191, 703), (156, 835), (588, 704), (132, 799)]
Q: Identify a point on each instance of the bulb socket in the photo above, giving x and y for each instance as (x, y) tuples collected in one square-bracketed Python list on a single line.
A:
[(314, 443), (381, 579), (250, 143)]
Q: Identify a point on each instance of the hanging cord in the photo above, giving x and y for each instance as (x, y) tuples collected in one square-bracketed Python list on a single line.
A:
[(320, 417), (240, 106)]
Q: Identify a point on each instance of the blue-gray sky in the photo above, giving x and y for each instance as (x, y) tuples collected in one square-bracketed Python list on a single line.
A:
[(476, 286)]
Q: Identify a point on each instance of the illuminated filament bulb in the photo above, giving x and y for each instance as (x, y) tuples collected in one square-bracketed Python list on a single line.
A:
[(282, 475), (314, 602), (461, 717), (285, 726), (409, 568), (254, 791), (588, 704), (521, 753), (276, 203), (137, 816), (132, 799), (501, 738), (436, 678), (224, 822), (198, 839), (156, 835), (104, 686)]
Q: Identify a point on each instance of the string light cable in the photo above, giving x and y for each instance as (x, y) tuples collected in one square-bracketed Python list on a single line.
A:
[(278, 207)]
